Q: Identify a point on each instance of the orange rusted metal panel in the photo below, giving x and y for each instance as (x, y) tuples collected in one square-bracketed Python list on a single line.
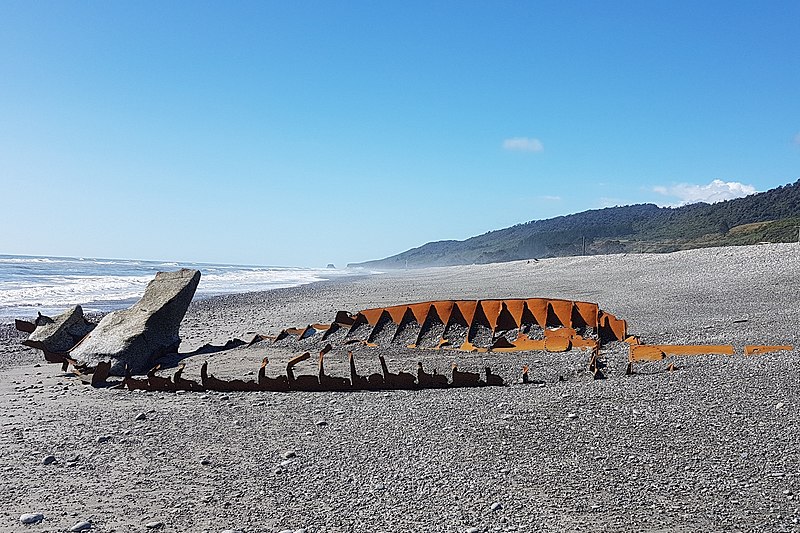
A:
[(645, 352), (587, 312), (538, 308), (480, 318), (467, 309), (516, 308), (557, 344), (397, 312), (753, 349), (525, 343), (697, 349), (444, 308), (420, 311), (372, 315), (579, 342), (456, 317), (656, 352), (505, 320), (560, 310), (612, 326), (491, 310), (521, 343), (559, 332)]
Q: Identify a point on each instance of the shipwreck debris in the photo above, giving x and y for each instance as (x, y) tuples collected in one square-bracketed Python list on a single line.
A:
[(476, 325), (128, 343)]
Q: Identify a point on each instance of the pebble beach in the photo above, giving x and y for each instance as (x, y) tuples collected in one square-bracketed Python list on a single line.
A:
[(711, 446)]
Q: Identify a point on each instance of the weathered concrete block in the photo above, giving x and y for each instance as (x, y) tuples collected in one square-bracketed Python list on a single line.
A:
[(137, 336), (60, 334)]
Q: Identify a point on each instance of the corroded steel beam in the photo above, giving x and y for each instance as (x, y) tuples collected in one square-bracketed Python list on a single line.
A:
[(759, 349), (657, 352)]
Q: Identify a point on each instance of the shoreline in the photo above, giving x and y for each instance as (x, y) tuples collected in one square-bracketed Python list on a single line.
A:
[(656, 451)]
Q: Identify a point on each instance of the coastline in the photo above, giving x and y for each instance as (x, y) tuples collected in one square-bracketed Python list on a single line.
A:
[(655, 451)]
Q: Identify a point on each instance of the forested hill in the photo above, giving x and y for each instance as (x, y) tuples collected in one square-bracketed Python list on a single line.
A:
[(770, 216)]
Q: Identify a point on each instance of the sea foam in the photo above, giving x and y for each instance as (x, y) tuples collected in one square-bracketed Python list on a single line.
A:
[(50, 284)]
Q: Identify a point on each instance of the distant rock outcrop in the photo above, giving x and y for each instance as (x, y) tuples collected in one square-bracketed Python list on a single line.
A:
[(60, 334), (134, 338)]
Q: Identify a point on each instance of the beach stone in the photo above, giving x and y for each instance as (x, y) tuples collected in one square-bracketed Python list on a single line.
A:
[(59, 334), (288, 454), (472, 530), (136, 337), (154, 525), (141, 416), (496, 506), (81, 526), (31, 518), (49, 459)]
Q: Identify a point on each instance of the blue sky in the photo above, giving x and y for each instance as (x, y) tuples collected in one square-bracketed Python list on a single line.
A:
[(301, 133)]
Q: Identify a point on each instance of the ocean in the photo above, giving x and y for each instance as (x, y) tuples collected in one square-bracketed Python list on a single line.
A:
[(51, 284)]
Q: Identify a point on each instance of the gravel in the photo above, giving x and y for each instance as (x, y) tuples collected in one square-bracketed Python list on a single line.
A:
[(703, 448)]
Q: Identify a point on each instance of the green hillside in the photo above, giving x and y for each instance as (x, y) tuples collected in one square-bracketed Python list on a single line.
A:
[(770, 216)]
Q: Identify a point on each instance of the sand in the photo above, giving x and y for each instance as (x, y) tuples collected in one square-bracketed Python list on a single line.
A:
[(714, 446)]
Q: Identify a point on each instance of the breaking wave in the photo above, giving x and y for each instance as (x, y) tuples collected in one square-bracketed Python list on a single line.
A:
[(50, 284)]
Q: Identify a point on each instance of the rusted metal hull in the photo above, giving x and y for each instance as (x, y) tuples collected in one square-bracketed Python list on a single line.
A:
[(386, 380), (491, 325), (517, 324)]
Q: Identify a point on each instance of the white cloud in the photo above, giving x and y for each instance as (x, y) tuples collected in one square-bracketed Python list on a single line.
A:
[(551, 198), (523, 144), (716, 191), (797, 139)]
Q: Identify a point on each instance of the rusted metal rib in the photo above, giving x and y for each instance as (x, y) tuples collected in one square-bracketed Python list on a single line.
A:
[(24, 326), (562, 319)]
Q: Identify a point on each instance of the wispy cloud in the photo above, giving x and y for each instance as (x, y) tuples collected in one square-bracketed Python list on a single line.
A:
[(550, 198), (523, 144), (796, 139), (716, 191)]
